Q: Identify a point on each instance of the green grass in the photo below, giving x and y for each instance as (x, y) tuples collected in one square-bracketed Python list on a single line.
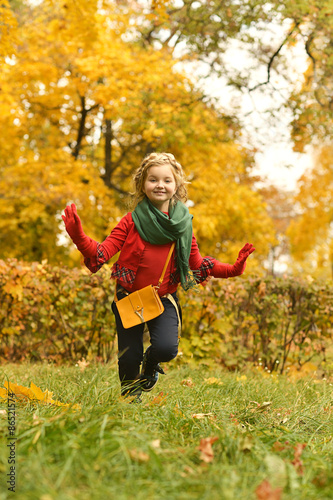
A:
[(109, 449)]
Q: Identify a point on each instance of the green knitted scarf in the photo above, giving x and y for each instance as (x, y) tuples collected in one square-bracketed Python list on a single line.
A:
[(158, 228)]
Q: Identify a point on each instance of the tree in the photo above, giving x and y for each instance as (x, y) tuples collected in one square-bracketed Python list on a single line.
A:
[(280, 208), (265, 33), (85, 99), (311, 234)]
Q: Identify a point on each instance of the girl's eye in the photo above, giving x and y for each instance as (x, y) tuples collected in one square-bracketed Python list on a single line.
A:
[(167, 181)]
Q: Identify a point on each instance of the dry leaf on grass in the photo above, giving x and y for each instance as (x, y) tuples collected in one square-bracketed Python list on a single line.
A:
[(82, 364), (178, 411), (277, 446), (33, 393), (213, 381), (188, 471), (138, 456), (261, 406), (206, 450), (265, 491), (156, 444), (247, 444), (297, 462), (36, 419), (200, 416), (159, 400), (188, 382)]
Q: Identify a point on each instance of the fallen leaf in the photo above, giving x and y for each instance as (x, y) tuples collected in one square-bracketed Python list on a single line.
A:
[(3, 393), (178, 411), (33, 393), (277, 446), (156, 444), (138, 456), (36, 420), (45, 396), (20, 392), (213, 381), (3, 412), (260, 406), (83, 364), (265, 491), (247, 443), (202, 415), (158, 400), (297, 462), (188, 471), (264, 406), (188, 382), (206, 450)]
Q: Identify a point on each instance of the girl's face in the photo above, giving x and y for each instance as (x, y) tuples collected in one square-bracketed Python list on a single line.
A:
[(160, 186)]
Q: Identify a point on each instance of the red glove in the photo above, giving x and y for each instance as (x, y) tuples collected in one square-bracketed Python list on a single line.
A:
[(240, 264), (73, 225), (221, 270)]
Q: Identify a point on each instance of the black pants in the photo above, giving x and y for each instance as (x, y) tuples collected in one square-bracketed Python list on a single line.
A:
[(163, 332)]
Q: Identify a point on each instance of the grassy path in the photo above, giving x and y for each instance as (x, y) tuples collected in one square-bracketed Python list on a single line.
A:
[(211, 435)]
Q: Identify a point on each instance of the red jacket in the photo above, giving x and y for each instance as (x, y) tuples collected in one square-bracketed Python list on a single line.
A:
[(125, 238)]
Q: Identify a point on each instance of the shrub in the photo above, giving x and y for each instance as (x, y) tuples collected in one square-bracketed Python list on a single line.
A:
[(60, 314), (274, 322), (54, 313)]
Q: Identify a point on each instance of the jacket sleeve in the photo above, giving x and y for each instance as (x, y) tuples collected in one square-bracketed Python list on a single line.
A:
[(102, 252), (208, 266), (201, 266)]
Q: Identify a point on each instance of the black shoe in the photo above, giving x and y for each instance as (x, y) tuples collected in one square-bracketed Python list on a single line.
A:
[(149, 376)]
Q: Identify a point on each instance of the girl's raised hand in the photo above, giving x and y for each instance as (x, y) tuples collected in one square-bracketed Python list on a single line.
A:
[(73, 223), (239, 267), (247, 249)]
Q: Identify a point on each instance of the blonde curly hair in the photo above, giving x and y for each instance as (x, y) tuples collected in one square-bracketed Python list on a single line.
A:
[(158, 159)]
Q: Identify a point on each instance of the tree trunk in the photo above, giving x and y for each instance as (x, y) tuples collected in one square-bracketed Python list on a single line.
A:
[(80, 133), (108, 153)]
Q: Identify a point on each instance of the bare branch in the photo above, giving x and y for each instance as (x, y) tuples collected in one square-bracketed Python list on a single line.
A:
[(276, 53), (314, 65)]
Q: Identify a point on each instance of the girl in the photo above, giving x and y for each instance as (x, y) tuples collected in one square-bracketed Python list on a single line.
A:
[(144, 238)]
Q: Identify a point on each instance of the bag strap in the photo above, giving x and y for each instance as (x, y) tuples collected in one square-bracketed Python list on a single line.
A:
[(160, 281), (174, 303)]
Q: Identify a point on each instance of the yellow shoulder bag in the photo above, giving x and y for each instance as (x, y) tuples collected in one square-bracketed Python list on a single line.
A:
[(144, 304)]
